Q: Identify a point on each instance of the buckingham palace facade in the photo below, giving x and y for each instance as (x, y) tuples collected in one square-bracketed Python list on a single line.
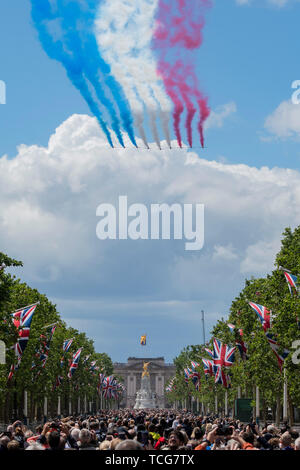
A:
[(131, 372)]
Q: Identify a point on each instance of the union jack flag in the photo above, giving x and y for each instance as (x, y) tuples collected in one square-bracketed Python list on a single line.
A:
[(58, 382), (20, 346), (14, 368), (187, 374), (171, 386), (293, 283), (43, 351), (86, 359), (231, 327), (222, 378), (223, 354), (67, 344), (275, 348), (22, 318), (74, 364), (109, 386), (195, 375), (263, 314), (194, 365), (208, 367), (210, 352)]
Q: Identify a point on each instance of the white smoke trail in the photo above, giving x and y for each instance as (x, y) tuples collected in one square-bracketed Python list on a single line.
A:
[(124, 32)]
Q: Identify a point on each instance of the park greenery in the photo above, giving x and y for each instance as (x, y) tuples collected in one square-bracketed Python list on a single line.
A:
[(40, 381), (261, 369)]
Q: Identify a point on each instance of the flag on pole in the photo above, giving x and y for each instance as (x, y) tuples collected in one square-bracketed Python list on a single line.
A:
[(263, 314), (43, 351), (22, 320), (195, 365), (66, 346), (74, 363), (23, 317), (109, 387), (210, 352), (187, 374), (143, 340), (223, 354), (293, 282), (275, 348), (222, 378), (208, 367)]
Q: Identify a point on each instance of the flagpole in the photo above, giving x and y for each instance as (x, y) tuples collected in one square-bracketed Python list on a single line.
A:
[(45, 408), (203, 327), (28, 306), (59, 407), (257, 410), (48, 326), (216, 400), (25, 407), (285, 396)]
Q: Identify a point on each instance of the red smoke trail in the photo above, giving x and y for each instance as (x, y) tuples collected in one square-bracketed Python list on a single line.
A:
[(169, 77), (179, 30), (204, 113)]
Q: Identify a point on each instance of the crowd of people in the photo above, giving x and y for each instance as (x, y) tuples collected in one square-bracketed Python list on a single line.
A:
[(158, 430)]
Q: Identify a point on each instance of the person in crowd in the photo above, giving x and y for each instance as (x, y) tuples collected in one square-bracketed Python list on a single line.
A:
[(155, 430)]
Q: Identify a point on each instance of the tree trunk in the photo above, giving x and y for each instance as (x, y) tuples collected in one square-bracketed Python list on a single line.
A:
[(291, 411), (278, 410)]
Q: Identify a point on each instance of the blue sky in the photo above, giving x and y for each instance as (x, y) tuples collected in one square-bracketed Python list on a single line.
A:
[(249, 59), (249, 56)]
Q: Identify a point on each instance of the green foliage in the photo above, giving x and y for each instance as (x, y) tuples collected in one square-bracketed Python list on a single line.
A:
[(39, 381), (261, 369)]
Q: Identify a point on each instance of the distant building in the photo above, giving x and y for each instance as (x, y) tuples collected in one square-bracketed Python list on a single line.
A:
[(160, 374)]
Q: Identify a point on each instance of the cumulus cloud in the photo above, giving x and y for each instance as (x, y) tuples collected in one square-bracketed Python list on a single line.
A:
[(284, 122), (120, 289)]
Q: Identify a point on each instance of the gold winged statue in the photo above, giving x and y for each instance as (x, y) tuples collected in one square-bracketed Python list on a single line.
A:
[(146, 372)]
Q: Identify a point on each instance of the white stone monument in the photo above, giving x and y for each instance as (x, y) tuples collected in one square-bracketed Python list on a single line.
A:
[(144, 397)]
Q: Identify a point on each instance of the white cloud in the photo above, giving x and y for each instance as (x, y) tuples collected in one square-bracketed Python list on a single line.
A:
[(260, 257), (284, 122), (48, 201), (224, 253), (216, 118)]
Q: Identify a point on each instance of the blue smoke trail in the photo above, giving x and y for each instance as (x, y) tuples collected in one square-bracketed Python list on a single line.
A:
[(77, 49), (42, 13), (70, 16)]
